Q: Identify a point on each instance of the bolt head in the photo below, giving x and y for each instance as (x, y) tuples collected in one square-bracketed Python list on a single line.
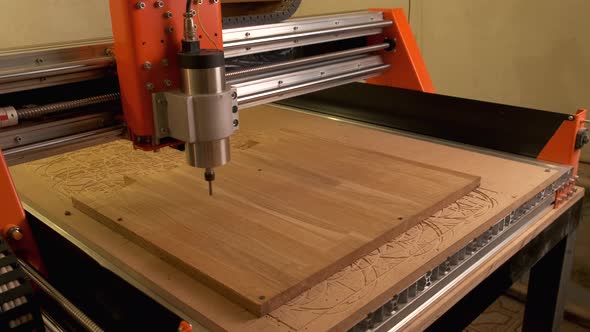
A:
[(167, 83), (234, 95), (168, 15), (140, 5), (15, 233), (170, 29), (571, 118), (159, 4), (147, 65), (18, 139), (236, 123), (149, 86)]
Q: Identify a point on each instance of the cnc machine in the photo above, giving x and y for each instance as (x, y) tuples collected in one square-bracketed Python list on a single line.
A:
[(179, 75)]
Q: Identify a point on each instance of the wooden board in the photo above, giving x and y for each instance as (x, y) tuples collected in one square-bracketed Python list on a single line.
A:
[(335, 304), (289, 211)]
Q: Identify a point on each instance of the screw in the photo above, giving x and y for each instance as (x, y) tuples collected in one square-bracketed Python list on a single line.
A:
[(147, 65), (214, 1), (168, 14), (280, 83), (140, 5), (15, 233), (39, 61), (247, 34), (234, 95), (234, 109), (236, 123), (167, 83), (18, 139), (170, 29), (295, 28), (159, 4), (571, 118), (149, 86)]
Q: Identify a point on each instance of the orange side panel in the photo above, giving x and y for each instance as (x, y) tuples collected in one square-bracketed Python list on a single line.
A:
[(561, 147), (146, 43), (408, 69), (12, 214)]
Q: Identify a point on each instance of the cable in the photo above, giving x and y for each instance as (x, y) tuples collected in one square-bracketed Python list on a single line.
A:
[(203, 29)]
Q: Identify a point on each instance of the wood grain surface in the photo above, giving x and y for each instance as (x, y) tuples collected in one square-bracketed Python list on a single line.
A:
[(335, 304), (289, 211)]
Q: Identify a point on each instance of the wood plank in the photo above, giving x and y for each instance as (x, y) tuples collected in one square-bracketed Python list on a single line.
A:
[(338, 302), (289, 211)]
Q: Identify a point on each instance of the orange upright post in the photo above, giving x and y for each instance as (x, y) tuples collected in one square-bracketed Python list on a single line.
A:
[(408, 69), (561, 148), (12, 217)]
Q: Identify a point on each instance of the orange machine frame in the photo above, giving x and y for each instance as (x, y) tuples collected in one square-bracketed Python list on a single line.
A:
[(408, 70)]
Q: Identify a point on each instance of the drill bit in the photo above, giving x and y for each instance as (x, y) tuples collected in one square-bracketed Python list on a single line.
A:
[(210, 177)]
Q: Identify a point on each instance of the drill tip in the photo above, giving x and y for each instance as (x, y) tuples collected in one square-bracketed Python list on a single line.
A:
[(210, 177)]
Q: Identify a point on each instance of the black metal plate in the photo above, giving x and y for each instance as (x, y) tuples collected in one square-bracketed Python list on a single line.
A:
[(511, 129)]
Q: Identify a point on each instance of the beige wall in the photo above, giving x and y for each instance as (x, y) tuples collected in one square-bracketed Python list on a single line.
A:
[(41, 22), (532, 53)]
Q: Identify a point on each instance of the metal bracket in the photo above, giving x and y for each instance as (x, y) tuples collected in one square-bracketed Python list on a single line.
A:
[(161, 126)]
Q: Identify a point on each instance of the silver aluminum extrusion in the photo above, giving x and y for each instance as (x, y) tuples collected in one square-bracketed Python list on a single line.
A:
[(306, 61), (276, 87), (265, 44), (25, 69), (34, 133), (308, 87), (56, 146)]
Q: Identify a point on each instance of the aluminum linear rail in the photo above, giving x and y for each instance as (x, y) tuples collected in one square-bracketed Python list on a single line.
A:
[(36, 68), (275, 87), (300, 32)]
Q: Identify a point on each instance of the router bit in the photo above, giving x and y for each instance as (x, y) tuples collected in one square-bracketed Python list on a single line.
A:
[(210, 177)]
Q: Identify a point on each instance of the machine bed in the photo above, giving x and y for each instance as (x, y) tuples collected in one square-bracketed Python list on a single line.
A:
[(412, 276)]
